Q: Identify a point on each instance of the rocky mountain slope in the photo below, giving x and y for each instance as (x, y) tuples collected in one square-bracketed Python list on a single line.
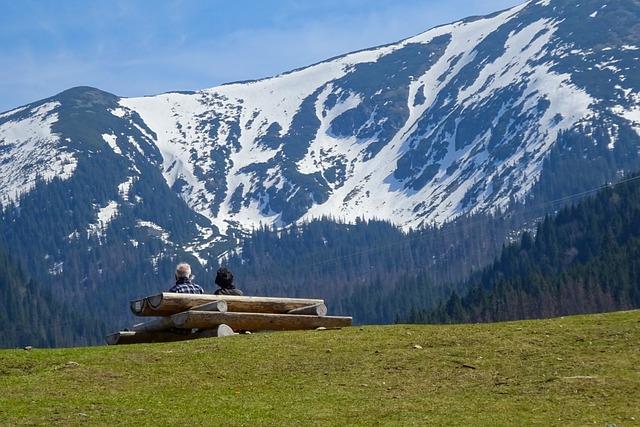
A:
[(457, 119), (454, 120)]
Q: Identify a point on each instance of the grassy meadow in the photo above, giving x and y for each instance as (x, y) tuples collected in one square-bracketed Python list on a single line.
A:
[(582, 370)]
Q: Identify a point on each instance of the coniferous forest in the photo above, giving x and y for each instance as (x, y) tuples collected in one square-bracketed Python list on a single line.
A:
[(30, 315), (586, 259), (371, 269), (583, 259)]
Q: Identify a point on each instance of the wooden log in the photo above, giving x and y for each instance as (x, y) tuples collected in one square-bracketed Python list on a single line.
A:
[(258, 321), (165, 323), (220, 306), (155, 325), (311, 310), (167, 304), (138, 337)]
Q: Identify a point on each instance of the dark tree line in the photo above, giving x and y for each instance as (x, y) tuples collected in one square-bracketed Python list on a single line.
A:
[(98, 273), (29, 317), (371, 269), (585, 259)]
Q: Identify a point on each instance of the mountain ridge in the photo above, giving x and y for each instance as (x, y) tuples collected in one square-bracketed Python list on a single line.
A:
[(319, 187), (324, 147)]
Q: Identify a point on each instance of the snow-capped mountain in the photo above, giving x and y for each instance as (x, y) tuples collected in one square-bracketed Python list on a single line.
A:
[(462, 118)]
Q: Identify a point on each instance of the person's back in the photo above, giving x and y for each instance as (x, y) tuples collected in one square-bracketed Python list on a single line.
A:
[(184, 285), (224, 279), (225, 291)]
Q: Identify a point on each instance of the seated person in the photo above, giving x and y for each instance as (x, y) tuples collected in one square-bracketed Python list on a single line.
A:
[(183, 281), (224, 279)]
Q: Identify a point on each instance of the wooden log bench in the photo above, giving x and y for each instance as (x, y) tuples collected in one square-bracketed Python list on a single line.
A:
[(191, 316)]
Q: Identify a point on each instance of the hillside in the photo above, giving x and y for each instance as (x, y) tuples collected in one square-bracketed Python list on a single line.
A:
[(32, 315), (585, 259), (370, 270), (567, 371)]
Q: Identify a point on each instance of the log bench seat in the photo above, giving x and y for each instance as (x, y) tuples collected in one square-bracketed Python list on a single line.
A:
[(191, 316)]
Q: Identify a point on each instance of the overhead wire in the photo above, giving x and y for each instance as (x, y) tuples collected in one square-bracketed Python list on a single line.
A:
[(471, 223)]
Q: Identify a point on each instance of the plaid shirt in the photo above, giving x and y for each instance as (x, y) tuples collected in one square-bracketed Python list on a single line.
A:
[(186, 287)]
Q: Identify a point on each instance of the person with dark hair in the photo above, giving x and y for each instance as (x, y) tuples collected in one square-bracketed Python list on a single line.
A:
[(224, 279)]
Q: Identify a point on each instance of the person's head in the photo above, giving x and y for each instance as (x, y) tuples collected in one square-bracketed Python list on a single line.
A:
[(183, 271), (224, 278)]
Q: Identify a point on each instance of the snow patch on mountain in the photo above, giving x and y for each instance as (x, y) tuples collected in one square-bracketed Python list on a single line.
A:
[(111, 140), (327, 147), (12, 112), (373, 192), (277, 99), (119, 112), (30, 151), (125, 187), (167, 115), (207, 238), (155, 230), (104, 216), (632, 115), (177, 120)]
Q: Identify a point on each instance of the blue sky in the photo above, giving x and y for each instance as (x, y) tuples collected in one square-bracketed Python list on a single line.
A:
[(142, 47)]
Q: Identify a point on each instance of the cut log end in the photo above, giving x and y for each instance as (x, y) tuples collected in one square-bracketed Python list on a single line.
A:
[(224, 331), (155, 301), (311, 310), (114, 338), (137, 306), (219, 306), (180, 318)]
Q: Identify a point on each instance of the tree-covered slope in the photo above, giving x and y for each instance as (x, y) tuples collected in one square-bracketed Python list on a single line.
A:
[(33, 315), (96, 238), (585, 259), (370, 270)]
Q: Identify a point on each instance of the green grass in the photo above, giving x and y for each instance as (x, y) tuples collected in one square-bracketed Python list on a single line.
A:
[(571, 371)]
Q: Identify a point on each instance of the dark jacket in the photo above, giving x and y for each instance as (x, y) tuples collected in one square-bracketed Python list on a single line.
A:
[(228, 291)]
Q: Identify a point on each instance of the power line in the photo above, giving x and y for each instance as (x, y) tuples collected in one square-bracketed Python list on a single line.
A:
[(471, 223)]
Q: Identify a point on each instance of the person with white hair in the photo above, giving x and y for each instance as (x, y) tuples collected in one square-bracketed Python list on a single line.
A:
[(184, 285)]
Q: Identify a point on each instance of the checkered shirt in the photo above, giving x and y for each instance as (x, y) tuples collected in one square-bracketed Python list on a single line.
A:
[(186, 288)]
